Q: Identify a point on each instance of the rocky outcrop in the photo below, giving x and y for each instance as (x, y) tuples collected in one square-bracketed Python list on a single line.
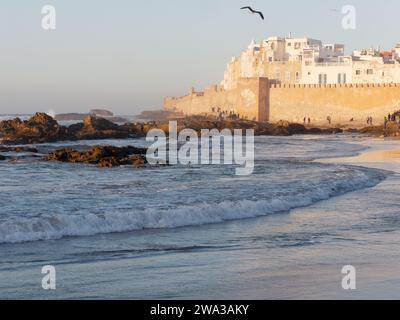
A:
[(97, 128), (42, 128), (39, 128), (392, 130), (2, 158), (102, 156), (295, 128)]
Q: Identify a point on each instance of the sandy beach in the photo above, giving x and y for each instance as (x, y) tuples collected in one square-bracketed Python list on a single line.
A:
[(381, 154)]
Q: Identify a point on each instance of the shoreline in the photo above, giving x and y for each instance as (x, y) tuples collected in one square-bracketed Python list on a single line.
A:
[(381, 154)]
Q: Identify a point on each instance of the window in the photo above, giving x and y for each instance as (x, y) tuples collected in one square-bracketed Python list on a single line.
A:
[(297, 45), (289, 44), (370, 71), (342, 77), (287, 76), (323, 78), (297, 76), (358, 72), (277, 76)]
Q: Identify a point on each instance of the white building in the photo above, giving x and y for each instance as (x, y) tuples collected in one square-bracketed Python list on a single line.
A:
[(334, 72), (309, 61)]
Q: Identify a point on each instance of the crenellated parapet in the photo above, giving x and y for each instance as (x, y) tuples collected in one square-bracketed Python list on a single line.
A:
[(324, 86), (259, 99)]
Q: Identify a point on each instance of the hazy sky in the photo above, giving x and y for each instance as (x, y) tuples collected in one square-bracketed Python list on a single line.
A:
[(126, 55)]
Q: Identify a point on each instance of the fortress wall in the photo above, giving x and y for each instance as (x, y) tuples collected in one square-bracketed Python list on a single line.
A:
[(341, 102), (249, 99), (256, 98)]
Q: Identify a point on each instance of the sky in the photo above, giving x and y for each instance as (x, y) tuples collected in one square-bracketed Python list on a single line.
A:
[(127, 55)]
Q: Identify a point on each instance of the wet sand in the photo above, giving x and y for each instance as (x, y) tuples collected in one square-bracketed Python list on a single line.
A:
[(383, 154)]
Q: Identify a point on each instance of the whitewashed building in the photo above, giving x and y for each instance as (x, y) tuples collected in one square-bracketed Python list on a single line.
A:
[(309, 61)]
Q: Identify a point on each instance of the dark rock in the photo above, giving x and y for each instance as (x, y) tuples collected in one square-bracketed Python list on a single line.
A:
[(378, 131), (103, 156), (18, 149), (138, 161), (2, 158), (96, 124), (392, 129), (97, 128), (42, 128), (39, 128), (332, 131), (295, 128), (42, 119), (292, 128)]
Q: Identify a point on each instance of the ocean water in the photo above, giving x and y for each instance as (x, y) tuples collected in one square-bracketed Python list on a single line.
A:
[(198, 232), (13, 116)]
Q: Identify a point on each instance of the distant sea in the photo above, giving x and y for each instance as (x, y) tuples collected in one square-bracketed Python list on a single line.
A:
[(13, 116)]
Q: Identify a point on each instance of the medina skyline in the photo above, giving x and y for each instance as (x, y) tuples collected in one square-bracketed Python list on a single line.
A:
[(127, 60)]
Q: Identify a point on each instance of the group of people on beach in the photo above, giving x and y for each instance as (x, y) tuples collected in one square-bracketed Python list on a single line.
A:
[(223, 114), (395, 117), (231, 115), (307, 120)]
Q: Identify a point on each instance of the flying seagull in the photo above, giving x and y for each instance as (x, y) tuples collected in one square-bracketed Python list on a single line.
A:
[(253, 11)]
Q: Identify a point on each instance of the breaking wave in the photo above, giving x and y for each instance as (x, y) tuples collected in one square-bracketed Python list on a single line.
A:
[(55, 226)]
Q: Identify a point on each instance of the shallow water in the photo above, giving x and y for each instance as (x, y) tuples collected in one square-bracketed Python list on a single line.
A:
[(182, 232)]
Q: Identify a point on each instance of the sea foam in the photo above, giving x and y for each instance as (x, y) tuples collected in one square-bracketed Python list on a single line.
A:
[(55, 226)]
